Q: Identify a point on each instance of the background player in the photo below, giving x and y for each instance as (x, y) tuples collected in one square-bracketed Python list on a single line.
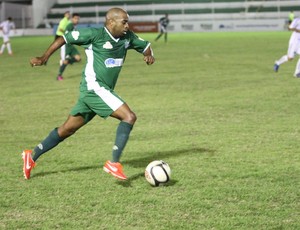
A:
[(60, 32), (106, 49), (6, 26), (164, 22), (72, 54), (291, 17), (294, 47)]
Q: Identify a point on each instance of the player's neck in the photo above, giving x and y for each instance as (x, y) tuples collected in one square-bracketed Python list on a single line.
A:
[(111, 32)]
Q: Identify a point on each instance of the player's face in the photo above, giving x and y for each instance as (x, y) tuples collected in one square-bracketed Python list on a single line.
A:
[(120, 25), (75, 20), (67, 15)]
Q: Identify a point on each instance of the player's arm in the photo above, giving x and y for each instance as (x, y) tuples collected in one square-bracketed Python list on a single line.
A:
[(294, 29), (38, 61), (148, 56)]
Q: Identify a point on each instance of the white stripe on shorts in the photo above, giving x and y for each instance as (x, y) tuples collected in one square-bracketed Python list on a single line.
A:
[(90, 76)]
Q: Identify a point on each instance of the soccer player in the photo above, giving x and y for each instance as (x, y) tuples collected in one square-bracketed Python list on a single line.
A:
[(72, 54), (6, 26), (291, 17), (106, 50), (294, 47), (164, 21), (60, 32)]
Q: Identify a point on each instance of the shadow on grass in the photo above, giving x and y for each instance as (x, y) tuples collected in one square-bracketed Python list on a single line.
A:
[(83, 168), (163, 155), (127, 183), (136, 163)]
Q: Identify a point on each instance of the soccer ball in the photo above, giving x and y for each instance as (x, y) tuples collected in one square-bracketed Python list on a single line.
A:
[(158, 173)]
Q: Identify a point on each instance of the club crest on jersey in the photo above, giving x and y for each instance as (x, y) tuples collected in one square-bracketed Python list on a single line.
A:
[(126, 44), (75, 35), (112, 62), (107, 45)]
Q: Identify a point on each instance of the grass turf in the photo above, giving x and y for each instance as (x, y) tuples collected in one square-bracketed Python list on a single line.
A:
[(211, 107)]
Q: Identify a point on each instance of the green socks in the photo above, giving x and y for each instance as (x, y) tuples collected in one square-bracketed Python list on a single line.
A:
[(62, 69), (54, 139), (122, 136), (50, 142)]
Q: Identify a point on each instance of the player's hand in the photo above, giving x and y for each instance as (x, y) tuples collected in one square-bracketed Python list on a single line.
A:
[(149, 60), (37, 61)]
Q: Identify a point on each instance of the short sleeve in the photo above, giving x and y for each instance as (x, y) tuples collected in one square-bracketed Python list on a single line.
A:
[(138, 43), (69, 28), (82, 37)]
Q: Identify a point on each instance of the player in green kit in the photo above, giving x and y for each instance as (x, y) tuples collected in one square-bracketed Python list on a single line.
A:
[(106, 50), (72, 54)]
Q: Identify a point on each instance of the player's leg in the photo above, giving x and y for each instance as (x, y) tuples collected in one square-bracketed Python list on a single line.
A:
[(79, 116), (289, 57), (160, 34), (5, 40), (62, 54), (166, 36), (2, 48), (106, 103), (127, 118), (61, 69), (297, 70), (8, 45), (57, 135)]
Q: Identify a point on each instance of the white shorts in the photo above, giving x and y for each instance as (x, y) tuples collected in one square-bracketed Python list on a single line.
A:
[(5, 38), (294, 48)]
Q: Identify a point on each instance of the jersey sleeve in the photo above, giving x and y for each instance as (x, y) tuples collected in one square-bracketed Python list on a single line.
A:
[(69, 28), (82, 37), (137, 43)]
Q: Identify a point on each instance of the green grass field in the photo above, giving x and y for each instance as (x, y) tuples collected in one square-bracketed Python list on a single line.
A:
[(211, 107)]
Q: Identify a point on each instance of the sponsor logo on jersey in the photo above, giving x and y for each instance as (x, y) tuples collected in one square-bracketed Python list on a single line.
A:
[(75, 35), (107, 45), (111, 62)]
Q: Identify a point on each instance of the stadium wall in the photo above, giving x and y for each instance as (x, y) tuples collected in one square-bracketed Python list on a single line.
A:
[(228, 25), (40, 9)]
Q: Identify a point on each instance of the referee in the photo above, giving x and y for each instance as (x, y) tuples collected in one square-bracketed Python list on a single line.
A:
[(60, 32)]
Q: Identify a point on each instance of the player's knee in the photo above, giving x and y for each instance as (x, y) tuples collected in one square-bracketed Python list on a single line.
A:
[(65, 131), (290, 59), (77, 58), (130, 118), (66, 62)]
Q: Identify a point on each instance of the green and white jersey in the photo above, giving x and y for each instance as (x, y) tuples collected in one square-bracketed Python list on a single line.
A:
[(105, 55), (70, 27)]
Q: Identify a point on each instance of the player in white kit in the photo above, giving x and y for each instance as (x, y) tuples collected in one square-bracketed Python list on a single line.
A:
[(294, 47), (6, 26)]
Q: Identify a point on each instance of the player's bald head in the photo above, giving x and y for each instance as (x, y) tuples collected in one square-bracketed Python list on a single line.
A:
[(114, 14), (117, 22)]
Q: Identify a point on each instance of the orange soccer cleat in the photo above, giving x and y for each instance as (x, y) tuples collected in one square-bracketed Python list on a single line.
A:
[(28, 163), (115, 169)]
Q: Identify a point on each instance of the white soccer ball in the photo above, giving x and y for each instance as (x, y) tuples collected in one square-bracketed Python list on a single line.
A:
[(158, 173)]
